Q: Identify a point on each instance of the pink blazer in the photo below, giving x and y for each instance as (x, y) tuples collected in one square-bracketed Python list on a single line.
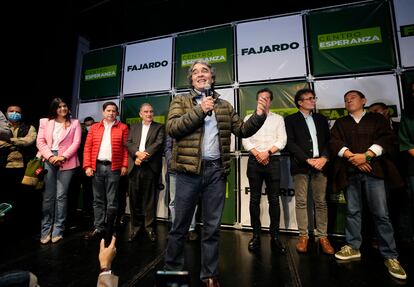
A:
[(69, 142)]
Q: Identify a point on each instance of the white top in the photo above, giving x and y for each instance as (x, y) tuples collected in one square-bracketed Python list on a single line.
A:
[(272, 133), (144, 133), (57, 131), (105, 150)]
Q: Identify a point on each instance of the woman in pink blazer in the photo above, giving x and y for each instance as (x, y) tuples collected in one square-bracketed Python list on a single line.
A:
[(58, 140)]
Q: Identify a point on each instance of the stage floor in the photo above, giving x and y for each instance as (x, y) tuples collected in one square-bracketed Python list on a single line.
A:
[(74, 261)]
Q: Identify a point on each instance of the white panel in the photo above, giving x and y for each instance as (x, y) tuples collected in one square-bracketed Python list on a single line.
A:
[(381, 88), (404, 15), (162, 205), (271, 49), (286, 200), (93, 109), (148, 66)]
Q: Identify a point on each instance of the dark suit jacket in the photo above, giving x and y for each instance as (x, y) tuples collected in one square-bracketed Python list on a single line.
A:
[(153, 145), (299, 141)]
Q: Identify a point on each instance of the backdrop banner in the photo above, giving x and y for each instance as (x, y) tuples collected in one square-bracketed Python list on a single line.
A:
[(147, 66), (286, 200), (93, 109), (101, 74), (131, 106), (351, 39), (380, 88), (283, 97), (271, 49), (405, 30), (214, 46)]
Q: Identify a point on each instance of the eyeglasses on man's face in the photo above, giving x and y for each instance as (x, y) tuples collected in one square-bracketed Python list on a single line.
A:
[(310, 99)]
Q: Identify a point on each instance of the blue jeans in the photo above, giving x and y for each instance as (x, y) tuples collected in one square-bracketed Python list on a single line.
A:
[(210, 185), (105, 186), (376, 198), (171, 205), (55, 195)]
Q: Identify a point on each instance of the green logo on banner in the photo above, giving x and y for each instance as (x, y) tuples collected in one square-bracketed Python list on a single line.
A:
[(334, 114), (100, 73), (210, 56), (407, 30), (350, 38), (158, 119)]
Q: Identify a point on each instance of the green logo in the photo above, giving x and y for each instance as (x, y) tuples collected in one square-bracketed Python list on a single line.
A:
[(210, 56), (100, 73), (407, 30), (350, 38), (158, 119)]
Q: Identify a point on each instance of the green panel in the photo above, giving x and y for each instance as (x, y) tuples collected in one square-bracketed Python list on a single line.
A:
[(351, 39), (101, 74), (229, 213), (214, 45), (130, 108), (283, 98)]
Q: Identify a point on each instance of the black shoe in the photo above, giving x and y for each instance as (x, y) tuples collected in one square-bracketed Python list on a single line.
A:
[(94, 234), (133, 232), (254, 243), (151, 234), (277, 245)]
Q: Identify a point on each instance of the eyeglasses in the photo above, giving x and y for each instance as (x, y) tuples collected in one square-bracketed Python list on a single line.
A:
[(310, 99)]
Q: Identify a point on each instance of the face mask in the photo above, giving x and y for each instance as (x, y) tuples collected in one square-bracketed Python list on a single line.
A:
[(14, 116)]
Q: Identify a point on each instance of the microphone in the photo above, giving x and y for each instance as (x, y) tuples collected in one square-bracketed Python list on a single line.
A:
[(207, 91)]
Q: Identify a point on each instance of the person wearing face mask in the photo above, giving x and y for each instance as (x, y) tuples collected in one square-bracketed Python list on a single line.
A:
[(14, 155)]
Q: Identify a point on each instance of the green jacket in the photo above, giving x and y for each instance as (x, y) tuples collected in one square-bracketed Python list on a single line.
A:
[(185, 124)]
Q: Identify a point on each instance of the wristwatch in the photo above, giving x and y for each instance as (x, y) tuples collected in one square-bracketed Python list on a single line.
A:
[(368, 157)]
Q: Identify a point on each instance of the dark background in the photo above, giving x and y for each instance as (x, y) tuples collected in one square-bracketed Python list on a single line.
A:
[(39, 38)]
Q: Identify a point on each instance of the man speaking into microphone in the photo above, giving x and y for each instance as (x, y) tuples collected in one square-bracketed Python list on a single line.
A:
[(201, 124)]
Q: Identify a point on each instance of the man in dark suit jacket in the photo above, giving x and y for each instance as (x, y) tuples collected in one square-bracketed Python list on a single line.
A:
[(308, 141), (144, 145)]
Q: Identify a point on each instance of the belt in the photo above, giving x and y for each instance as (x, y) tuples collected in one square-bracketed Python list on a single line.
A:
[(104, 162), (214, 162)]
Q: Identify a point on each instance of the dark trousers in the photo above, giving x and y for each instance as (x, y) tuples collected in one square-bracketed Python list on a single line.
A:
[(270, 174), (105, 187), (210, 185), (142, 183)]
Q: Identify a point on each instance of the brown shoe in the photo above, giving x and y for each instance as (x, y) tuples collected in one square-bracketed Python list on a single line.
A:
[(326, 246), (302, 245)]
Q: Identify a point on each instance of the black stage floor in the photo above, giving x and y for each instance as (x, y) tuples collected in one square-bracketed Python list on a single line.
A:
[(74, 261)]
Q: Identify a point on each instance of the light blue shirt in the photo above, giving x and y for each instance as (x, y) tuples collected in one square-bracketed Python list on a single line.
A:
[(211, 146), (312, 130)]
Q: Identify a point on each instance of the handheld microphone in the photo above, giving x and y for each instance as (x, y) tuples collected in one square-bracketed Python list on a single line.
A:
[(207, 91)]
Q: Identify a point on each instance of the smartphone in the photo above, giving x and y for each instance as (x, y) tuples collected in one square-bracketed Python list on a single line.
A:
[(165, 278), (4, 207)]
